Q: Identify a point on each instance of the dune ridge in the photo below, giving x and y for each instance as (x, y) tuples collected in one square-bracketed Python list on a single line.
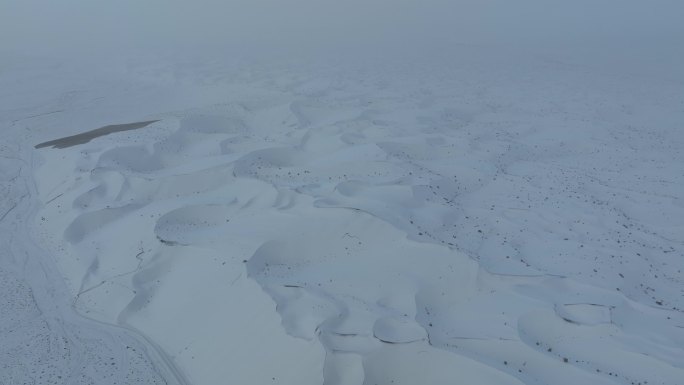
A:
[(379, 230)]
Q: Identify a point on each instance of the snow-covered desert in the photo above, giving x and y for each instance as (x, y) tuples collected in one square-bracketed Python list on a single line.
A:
[(390, 210)]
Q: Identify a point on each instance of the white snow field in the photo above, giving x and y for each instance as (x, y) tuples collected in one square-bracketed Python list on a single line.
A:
[(419, 222), (318, 192)]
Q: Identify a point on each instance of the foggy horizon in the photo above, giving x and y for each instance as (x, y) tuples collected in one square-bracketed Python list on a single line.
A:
[(250, 26)]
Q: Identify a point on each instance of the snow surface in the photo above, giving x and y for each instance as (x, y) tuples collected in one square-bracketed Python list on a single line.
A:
[(415, 222)]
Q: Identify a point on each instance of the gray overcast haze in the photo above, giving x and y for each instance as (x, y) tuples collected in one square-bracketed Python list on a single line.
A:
[(84, 26), (349, 192)]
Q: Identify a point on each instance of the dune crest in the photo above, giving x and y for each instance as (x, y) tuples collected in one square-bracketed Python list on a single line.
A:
[(386, 231)]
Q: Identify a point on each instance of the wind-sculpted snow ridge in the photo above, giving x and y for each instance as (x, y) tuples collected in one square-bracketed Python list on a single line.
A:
[(458, 225), (42, 341)]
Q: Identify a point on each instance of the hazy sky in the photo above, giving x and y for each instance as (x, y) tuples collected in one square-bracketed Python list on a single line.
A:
[(37, 25)]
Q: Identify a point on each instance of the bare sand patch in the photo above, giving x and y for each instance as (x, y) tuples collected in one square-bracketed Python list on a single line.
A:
[(85, 137)]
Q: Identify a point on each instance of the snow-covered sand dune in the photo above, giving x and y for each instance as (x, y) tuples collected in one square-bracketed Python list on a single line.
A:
[(42, 339), (394, 224)]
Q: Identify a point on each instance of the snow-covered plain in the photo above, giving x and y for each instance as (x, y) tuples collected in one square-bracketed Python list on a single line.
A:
[(495, 217)]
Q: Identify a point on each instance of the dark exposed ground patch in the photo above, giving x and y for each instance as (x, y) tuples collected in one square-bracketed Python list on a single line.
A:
[(86, 137)]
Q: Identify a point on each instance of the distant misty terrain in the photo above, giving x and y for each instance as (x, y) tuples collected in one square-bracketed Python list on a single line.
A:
[(342, 192)]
